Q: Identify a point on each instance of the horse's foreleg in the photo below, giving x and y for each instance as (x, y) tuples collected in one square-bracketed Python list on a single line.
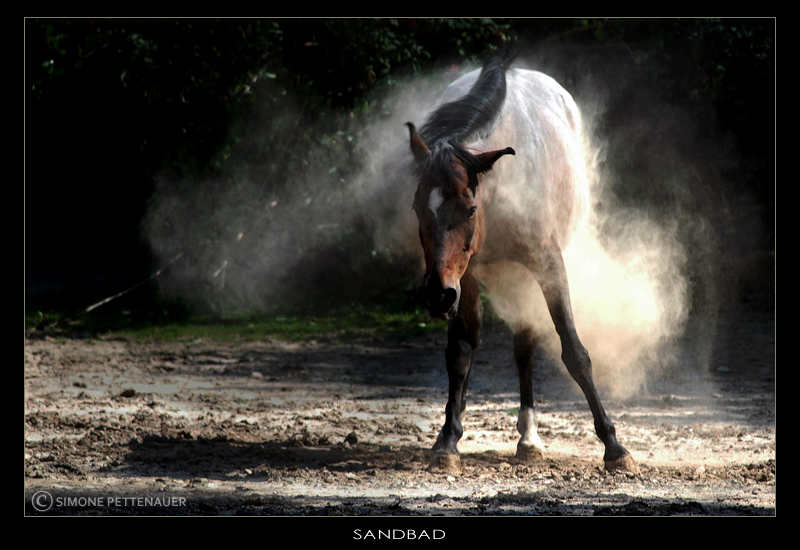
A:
[(463, 337), (530, 447), (553, 280)]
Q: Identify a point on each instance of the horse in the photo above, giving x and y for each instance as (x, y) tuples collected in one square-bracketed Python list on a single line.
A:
[(476, 208)]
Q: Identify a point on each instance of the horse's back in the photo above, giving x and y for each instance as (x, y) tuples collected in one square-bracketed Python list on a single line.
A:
[(526, 88), (544, 188)]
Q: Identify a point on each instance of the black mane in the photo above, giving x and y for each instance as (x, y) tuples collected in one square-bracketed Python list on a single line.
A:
[(474, 115), (471, 117)]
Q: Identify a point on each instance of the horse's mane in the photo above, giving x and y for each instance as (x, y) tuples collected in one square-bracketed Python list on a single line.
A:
[(468, 118), (474, 115)]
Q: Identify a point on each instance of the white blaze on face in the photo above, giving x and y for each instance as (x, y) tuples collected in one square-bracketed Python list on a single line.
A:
[(435, 200)]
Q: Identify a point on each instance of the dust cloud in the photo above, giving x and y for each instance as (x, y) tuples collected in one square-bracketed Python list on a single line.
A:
[(300, 214), (647, 255), (628, 287), (283, 224)]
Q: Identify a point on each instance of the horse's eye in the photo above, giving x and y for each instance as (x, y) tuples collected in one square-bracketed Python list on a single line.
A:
[(472, 212)]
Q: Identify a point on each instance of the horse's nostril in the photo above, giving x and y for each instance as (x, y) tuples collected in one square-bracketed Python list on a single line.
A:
[(449, 297), (438, 299)]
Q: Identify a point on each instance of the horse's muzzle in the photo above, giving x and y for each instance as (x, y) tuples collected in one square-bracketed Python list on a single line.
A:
[(440, 301)]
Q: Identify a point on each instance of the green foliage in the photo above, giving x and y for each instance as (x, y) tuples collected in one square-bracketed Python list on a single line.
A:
[(190, 76), (185, 77), (178, 84)]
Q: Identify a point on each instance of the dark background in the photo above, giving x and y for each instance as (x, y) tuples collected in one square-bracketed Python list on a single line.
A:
[(112, 104)]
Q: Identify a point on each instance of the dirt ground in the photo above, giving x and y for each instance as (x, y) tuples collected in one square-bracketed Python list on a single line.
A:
[(115, 427)]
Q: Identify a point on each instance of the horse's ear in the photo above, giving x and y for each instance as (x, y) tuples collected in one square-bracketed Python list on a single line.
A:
[(418, 146), (487, 160)]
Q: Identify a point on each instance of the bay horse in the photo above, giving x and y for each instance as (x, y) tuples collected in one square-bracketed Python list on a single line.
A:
[(522, 210)]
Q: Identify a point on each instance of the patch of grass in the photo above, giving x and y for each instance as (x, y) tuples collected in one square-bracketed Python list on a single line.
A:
[(172, 323)]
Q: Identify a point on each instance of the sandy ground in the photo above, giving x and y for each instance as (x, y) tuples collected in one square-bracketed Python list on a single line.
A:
[(116, 427)]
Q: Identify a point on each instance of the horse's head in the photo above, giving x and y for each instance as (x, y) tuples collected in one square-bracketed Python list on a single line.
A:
[(451, 220)]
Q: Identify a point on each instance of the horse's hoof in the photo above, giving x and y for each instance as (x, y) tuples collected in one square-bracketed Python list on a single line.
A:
[(529, 453), (445, 463), (625, 463)]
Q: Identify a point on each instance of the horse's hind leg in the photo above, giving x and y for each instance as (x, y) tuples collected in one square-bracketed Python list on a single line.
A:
[(552, 276), (530, 446), (463, 337)]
